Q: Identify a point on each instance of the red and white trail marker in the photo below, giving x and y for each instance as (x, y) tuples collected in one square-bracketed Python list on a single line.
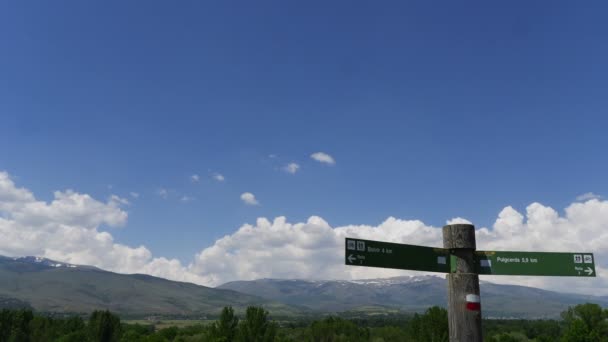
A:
[(473, 302)]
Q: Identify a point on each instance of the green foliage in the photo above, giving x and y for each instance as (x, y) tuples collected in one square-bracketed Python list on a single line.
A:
[(389, 334), (522, 330), (509, 337), (136, 332), (225, 329), (14, 325), (585, 323), (256, 327), (104, 327), (333, 329), (168, 333), (432, 326), (76, 336)]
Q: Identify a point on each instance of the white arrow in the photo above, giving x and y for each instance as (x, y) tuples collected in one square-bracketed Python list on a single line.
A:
[(589, 271), (351, 258)]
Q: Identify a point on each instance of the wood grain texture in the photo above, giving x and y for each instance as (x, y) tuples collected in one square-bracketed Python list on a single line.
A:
[(464, 324)]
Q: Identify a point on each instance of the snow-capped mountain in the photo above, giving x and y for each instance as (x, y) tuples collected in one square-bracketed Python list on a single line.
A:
[(47, 285), (413, 293), (44, 262)]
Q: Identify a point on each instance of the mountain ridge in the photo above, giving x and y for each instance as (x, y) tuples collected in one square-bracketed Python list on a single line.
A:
[(50, 286), (44, 285), (409, 294)]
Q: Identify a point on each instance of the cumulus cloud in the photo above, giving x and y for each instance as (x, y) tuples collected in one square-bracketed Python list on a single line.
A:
[(218, 177), (10, 196), (249, 198), (458, 220), (67, 229), (587, 196), (134, 194), (323, 157), (291, 168), (310, 250), (315, 250), (195, 178), (542, 228)]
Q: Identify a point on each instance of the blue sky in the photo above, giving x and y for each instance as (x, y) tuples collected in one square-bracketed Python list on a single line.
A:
[(431, 110)]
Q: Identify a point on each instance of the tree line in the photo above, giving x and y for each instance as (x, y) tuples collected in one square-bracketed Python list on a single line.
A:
[(582, 323)]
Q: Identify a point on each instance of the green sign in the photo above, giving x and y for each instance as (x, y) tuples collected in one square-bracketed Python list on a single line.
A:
[(536, 263), (369, 253)]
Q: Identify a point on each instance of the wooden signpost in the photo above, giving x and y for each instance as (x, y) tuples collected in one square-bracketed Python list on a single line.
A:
[(463, 265)]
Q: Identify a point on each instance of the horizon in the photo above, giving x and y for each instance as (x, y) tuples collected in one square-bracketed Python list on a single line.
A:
[(426, 275), (217, 142)]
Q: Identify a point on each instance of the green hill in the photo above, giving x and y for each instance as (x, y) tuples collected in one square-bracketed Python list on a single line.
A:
[(49, 286)]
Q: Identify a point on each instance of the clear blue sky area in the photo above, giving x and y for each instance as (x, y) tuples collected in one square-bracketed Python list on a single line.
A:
[(431, 109)]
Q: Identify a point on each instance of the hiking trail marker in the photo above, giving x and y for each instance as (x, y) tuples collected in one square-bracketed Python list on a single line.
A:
[(370, 253), (463, 265), (360, 252), (536, 264)]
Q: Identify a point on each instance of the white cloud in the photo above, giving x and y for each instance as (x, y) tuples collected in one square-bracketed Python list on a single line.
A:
[(587, 196), (322, 157), (163, 193), (186, 199), (315, 250), (458, 220), (291, 168), (134, 194), (10, 196), (218, 177), (249, 198), (118, 200), (195, 178), (67, 229), (310, 250)]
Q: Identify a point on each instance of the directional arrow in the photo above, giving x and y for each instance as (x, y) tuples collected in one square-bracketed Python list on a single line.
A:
[(368, 253), (563, 264)]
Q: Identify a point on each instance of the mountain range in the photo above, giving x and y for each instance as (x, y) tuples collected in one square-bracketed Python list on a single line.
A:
[(409, 294), (50, 286)]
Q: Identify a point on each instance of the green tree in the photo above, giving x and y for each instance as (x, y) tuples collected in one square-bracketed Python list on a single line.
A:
[(432, 326), (256, 327), (73, 324), (585, 323), (334, 329), (389, 334), (20, 325), (168, 333), (226, 327), (505, 337), (76, 336), (42, 329), (104, 327), (136, 332)]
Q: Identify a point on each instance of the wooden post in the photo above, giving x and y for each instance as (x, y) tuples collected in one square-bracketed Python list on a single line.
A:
[(464, 307)]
